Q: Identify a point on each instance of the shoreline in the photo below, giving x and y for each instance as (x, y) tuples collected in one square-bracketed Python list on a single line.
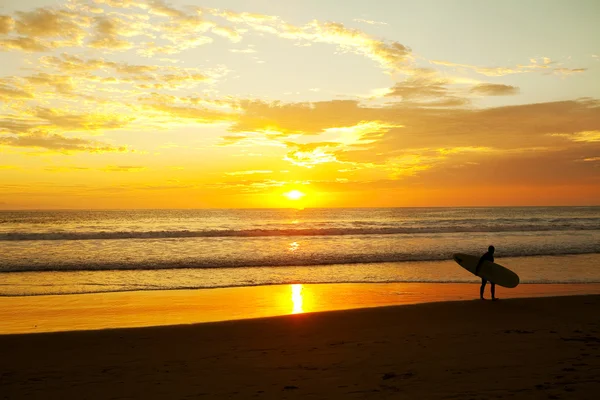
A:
[(541, 348), (114, 310), (531, 270)]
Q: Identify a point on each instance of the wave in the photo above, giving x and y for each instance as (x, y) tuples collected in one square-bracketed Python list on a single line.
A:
[(257, 262), (179, 234)]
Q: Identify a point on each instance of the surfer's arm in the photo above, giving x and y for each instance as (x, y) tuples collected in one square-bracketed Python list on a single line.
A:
[(479, 265)]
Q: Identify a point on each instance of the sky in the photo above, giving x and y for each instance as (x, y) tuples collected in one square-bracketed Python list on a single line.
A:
[(217, 104)]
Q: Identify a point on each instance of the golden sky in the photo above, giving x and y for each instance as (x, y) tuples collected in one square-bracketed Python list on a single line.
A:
[(191, 104)]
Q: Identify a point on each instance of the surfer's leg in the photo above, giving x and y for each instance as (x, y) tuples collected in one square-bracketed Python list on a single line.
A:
[(493, 287), (483, 282)]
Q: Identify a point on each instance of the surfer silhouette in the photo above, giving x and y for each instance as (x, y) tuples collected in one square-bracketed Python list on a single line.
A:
[(489, 256)]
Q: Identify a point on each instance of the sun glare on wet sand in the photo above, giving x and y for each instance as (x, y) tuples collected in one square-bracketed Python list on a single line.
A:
[(297, 299)]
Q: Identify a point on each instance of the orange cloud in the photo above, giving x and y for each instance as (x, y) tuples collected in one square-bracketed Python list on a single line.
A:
[(493, 89), (124, 168), (59, 143), (79, 122), (23, 44), (6, 24), (8, 92), (43, 29), (44, 22), (107, 35)]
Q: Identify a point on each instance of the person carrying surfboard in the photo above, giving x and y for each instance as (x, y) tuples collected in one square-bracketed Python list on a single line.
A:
[(489, 256)]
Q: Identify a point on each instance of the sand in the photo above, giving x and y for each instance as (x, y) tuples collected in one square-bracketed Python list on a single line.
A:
[(173, 307), (533, 348)]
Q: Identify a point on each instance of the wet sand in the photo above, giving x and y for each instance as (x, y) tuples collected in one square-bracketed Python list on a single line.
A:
[(175, 307), (530, 348)]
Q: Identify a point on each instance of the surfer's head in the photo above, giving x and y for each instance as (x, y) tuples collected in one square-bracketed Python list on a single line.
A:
[(491, 249)]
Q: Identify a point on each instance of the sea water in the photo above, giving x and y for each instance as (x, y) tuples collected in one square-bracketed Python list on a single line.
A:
[(68, 251)]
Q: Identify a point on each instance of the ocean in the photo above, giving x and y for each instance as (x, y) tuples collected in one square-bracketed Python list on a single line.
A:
[(73, 251)]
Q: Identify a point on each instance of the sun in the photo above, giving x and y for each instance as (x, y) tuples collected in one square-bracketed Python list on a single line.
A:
[(294, 195)]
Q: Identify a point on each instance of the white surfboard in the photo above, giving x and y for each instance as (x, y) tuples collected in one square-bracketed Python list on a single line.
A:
[(493, 272)]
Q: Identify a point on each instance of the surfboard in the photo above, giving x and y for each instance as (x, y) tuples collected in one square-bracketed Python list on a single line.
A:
[(493, 272)]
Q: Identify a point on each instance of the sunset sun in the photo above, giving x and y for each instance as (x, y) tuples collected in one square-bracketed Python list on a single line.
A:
[(294, 195)]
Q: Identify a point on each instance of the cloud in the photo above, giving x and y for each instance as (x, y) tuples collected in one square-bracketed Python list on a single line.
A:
[(585, 136), (249, 172), (414, 126), (79, 122), (72, 63), (487, 71), (6, 24), (358, 135), (493, 89), (23, 44), (545, 65), (340, 140), (16, 125), (66, 169), (228, 140), (227, 32), (124, 168), (246, 51), (59, 143), (151, 49), (406, 140), (107, 35), (45, 22), (243, 16), (502, 127), (61, 83), (369, 21), (8, 92), (311, 154), (142, 76), (252, 186), (420, 87), (303, 118), (158, 7), (569, 71), (43, 29), (185, 108), (425, 87), (390, 55)]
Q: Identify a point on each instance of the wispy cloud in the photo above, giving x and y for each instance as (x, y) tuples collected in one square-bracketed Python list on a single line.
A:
[(369, 21), (494, 89), (59, 144), (585, 136), (544, 65), (250, 172), (124, 168)]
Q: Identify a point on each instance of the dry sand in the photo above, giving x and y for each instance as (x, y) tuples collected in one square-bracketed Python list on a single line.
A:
[(536, 348)]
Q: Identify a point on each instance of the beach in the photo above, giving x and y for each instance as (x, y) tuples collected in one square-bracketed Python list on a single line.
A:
[(315, 303), (544, 348)]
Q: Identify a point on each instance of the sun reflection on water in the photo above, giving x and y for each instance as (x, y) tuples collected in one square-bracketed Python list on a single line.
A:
[(294, 246), (297, 299)]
